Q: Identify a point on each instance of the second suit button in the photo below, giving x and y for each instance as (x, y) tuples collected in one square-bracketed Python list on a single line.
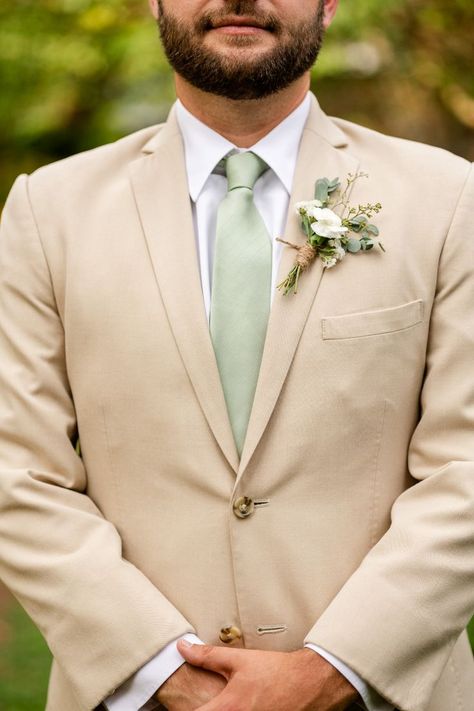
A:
[(243, 507), (230, 634)]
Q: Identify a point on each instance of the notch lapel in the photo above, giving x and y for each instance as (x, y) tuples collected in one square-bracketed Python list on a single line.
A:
[(321, 154), (160, 186)]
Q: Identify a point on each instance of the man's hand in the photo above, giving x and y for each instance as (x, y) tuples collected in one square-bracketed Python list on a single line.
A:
[(265, 681), (189, 688)]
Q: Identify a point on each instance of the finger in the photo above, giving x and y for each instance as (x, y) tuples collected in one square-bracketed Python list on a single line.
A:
[(206, 656)]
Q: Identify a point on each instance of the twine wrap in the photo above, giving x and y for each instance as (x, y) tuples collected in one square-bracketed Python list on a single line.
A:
[(306, 254)]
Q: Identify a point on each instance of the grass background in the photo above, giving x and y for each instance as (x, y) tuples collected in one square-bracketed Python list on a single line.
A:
[(24, 662)]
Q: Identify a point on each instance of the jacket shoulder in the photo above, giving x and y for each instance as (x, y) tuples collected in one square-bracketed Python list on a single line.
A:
[(414, 157)]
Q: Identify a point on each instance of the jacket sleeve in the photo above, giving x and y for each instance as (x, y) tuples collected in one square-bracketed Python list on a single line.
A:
[(101, 617), (397, 618)]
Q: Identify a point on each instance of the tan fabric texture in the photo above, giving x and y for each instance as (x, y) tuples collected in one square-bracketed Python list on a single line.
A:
[(360, 438)]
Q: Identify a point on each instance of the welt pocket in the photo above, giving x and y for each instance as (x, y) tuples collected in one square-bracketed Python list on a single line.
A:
[(372, 323)]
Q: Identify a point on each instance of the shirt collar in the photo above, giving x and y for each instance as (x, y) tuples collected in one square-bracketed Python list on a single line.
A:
[(204, 147)]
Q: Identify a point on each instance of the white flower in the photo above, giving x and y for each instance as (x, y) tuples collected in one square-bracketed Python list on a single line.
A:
[(327, 224), (329, 262), (340, 252), (307, 207)]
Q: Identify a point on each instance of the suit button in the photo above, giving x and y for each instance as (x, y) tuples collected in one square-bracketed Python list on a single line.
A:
[(243, 507), (230, 634)]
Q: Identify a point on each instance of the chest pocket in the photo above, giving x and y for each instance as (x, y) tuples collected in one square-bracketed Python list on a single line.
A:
[(373, 323)]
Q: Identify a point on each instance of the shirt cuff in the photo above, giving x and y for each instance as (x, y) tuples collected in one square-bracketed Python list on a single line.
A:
[(371, 698), (137, 692)]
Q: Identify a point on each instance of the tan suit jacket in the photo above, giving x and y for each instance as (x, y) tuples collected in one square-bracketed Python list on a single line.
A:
[(360, 447)]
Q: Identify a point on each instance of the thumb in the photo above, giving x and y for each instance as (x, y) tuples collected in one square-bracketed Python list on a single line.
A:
[(206, 656)]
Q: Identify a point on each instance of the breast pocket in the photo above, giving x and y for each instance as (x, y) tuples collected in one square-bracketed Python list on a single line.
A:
[(373, 323)]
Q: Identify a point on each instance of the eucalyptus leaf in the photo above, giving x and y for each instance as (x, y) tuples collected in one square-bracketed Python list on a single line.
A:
[(334, 185), (373, 229), (321, 190), (354, 246)]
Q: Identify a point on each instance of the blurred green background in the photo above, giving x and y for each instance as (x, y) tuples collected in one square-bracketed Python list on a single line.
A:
[(78, 73)]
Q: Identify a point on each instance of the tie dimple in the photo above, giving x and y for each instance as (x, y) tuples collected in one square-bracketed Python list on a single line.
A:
[(243, 170)]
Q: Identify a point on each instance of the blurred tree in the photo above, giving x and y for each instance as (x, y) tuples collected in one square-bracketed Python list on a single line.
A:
[(403, 67), (78, 73), (74, 74)]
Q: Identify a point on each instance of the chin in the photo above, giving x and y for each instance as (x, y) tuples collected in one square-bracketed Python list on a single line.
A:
[(240, 46)]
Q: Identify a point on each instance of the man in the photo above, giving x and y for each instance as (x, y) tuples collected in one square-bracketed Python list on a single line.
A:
[(287, 478)]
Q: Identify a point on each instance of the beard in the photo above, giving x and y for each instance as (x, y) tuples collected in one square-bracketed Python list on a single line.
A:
[(265, 73)]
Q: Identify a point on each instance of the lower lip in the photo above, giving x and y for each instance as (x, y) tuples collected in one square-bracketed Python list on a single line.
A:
[(239, 30)]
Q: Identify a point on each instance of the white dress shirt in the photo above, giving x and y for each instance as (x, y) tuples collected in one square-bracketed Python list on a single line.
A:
[(204, 148)]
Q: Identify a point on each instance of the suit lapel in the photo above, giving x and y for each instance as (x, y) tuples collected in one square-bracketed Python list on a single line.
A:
[(160, 187), (321, 154), (161, 192)]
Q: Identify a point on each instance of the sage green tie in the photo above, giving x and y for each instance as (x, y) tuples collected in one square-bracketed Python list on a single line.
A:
[(241, 284)]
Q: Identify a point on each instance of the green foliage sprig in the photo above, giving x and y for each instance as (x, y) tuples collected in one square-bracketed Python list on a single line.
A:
[(331, 236)]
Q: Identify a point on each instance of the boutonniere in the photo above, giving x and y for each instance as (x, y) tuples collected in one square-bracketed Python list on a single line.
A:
[(330, 236)]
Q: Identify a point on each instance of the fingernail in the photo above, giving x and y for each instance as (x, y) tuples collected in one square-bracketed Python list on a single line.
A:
[(185, 643)]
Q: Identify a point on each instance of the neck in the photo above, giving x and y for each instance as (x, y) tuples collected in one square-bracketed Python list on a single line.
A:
[(243, 123)]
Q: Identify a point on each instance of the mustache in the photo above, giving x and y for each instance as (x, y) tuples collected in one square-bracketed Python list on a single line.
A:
[(239, 8)]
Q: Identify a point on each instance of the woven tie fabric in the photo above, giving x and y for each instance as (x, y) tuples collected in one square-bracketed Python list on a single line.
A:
[(241, 284)]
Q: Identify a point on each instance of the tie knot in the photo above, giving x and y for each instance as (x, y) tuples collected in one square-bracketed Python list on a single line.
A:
[(243, 170)]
